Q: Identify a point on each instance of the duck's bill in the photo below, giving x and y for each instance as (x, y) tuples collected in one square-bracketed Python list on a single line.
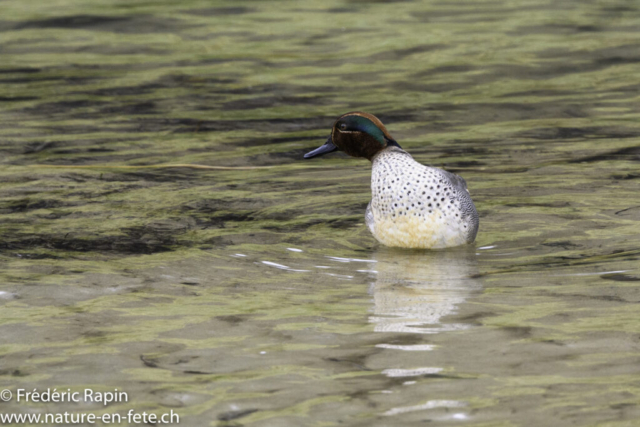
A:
[(328, 147)]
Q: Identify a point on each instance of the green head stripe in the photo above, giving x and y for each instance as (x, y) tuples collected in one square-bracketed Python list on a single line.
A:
[(365, 125)]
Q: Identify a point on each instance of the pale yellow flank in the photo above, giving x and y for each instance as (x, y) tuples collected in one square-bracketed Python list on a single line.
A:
[(417, 232)]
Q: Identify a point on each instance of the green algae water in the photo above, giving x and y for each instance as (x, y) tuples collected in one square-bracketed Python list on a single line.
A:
[(256, 296)]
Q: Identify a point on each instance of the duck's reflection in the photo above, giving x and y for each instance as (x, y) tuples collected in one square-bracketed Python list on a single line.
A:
[(414, 291)]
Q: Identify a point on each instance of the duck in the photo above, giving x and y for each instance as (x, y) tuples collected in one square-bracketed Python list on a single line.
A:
[(412, 205)]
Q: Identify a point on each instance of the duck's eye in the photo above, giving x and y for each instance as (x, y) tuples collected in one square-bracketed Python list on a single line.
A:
[(342, 126)]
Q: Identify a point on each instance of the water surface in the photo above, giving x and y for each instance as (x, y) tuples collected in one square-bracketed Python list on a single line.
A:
[(257, 297)]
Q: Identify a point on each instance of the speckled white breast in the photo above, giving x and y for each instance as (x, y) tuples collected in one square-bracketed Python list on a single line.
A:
[(416, 206)]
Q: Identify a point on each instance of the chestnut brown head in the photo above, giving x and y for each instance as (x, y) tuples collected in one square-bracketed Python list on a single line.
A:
[(357, 134)]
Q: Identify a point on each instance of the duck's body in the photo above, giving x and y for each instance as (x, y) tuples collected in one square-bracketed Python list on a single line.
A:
[(412, 205), (416, 206)]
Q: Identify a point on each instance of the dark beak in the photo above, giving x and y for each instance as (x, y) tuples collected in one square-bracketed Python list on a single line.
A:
[(328, 147)]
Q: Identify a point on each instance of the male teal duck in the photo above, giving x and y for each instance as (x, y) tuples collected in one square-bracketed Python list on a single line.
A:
[(412, 205)]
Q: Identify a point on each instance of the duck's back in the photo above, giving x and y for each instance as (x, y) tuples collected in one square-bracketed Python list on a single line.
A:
[(416, 206)]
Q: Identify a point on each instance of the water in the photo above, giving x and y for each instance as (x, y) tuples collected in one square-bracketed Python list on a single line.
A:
[(256, 296)]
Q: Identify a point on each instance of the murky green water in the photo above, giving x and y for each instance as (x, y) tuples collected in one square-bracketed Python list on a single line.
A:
[(257, 297)]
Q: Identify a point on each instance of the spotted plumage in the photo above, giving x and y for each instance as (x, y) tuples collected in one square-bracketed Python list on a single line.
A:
[(412, 205)]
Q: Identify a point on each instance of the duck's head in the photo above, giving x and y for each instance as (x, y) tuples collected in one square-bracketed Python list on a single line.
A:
[(357, 134)]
